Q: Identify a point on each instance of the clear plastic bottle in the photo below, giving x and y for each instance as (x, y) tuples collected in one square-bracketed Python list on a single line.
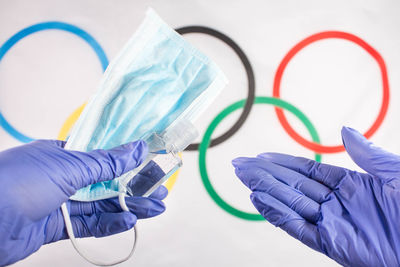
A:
[(162, 161)]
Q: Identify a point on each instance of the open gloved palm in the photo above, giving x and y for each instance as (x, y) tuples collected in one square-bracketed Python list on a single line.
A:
[(352, 217)]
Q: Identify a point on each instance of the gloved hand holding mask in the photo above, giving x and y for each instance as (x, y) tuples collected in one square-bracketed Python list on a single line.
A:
[(38, 177), (349, 216), (153, 91)]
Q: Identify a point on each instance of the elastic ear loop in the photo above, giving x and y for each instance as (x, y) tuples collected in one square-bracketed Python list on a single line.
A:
[(70, 231)]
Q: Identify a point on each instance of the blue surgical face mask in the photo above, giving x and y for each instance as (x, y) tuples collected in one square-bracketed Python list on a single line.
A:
[(154, 90), (157, 84)]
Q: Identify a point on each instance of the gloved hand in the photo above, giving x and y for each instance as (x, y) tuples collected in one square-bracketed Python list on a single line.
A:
[(38, 177), (352, 217)]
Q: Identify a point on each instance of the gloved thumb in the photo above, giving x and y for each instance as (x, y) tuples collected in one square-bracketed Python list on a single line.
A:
[(101, 165), (369, 157)]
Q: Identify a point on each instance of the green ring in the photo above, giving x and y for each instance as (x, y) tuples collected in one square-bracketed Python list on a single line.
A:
[(207, 139)]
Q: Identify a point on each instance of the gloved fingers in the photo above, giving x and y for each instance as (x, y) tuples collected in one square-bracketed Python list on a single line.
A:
[(369, 157), (59, 143), (259, 180), (309, 187), (285, 218), (102, 224), (326, 174), (160, 193), (142, 207), (100, 165)]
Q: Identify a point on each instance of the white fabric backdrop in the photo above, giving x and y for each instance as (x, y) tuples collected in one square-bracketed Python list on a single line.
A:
[(48, 74)]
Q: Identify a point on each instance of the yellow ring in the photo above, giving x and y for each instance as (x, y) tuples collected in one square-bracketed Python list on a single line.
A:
[(70, 121)]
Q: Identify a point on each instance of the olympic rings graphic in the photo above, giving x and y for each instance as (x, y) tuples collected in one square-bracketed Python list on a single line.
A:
[(205, 143), (246, 104), (311, 39), (51, 25), (250, 77)]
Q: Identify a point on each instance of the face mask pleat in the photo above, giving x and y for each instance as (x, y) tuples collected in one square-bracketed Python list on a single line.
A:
[(105, 189), (136, 120), (172, 96), (195, 88)]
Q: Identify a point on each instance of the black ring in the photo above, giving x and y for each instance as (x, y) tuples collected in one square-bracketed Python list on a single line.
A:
[(250, 77)]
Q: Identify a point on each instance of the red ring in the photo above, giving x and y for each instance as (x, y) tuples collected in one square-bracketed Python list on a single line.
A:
[(313, 38)]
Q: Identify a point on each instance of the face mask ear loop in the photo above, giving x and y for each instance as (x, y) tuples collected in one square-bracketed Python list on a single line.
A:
[(71, 235), (122, 203)]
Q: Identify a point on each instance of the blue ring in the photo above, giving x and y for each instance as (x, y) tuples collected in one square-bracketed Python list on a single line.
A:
[(40, 27)]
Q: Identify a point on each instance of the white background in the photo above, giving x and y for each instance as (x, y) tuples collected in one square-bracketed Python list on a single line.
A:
[(334, 82)]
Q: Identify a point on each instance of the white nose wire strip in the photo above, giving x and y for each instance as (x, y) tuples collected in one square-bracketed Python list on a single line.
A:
[(71, 235)]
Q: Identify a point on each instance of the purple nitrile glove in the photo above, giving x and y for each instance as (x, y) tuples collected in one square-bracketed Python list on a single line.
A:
[(38, 177), (352, 217)]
